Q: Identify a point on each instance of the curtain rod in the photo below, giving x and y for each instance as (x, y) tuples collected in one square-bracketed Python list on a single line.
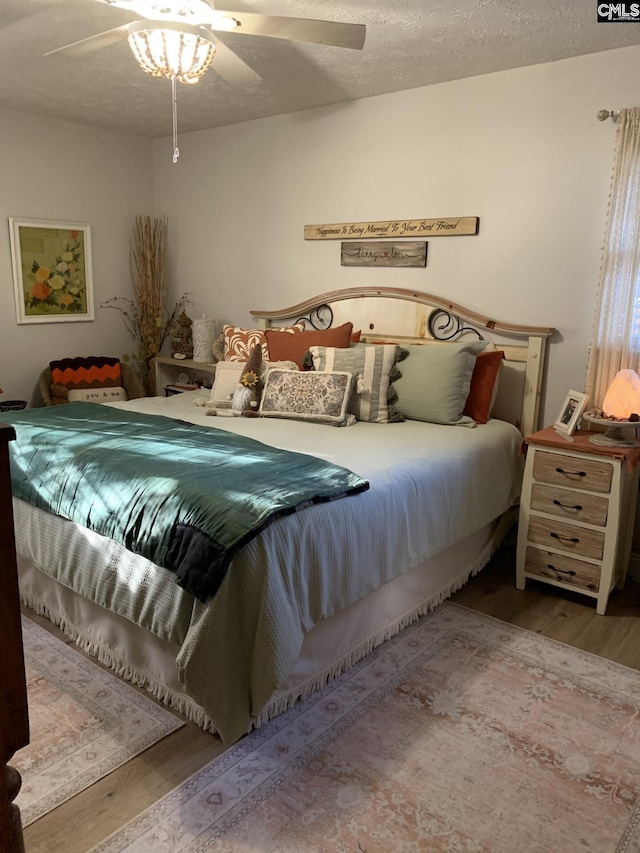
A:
[(603, 115)]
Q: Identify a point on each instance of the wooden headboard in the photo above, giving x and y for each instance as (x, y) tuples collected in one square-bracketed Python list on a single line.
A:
[(411, 317)]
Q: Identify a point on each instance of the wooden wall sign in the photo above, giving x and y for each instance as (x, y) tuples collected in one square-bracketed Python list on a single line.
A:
[(407, 254), (453, 227)]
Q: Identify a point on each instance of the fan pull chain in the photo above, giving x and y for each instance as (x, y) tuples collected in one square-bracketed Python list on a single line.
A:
[(174, 104)]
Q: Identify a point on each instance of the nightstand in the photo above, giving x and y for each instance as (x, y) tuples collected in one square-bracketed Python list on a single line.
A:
[(167, 371), (577, 513)]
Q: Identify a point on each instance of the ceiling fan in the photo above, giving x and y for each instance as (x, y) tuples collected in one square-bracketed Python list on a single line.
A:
[(175, 40), (175, 37)]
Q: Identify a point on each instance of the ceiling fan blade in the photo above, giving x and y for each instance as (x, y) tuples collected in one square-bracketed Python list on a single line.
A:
[(231, 68), (77, 48), (332, 33)]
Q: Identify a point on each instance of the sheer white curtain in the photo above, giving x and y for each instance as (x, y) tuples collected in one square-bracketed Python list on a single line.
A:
[(615, 343)]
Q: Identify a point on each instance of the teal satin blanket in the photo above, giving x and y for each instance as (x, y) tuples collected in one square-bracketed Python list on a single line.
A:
[(185, 496)]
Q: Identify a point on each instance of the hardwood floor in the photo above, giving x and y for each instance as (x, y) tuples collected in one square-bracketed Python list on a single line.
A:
[(567, 617), (94, 814)]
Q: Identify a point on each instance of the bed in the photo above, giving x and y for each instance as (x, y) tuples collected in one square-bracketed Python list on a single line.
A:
[(315, 590)]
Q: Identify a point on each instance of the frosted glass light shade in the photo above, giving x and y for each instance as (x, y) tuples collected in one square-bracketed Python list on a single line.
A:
[(176, 51), (623, 395)]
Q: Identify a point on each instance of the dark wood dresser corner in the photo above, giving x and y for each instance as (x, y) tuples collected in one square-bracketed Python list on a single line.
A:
[(14, 717)]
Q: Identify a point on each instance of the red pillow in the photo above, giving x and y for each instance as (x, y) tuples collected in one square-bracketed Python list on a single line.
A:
[(483, 380), (284, 347)]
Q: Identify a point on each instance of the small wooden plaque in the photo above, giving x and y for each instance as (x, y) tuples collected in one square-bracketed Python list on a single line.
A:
[(401, 254)]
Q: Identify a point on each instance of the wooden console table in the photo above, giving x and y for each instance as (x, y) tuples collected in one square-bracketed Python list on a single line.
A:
[(166, 371)]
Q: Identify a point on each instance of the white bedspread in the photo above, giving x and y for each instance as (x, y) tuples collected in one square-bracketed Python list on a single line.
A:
[(431, 486)]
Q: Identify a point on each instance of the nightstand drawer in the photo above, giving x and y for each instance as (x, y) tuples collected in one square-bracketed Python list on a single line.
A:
[(569, 505), (563, 470), (566, 537), (557, 567)]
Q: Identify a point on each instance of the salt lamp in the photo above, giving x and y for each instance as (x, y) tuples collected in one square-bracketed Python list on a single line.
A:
[(623, 396)]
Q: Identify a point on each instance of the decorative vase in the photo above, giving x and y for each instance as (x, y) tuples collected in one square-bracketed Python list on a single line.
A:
[(204, 333)]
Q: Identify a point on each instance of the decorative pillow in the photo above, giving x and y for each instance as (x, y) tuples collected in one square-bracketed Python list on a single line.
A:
[(375, 369), (293, 347), (91, 372), (435, 382), (279, 365), (484, 383), (239, 342), (97, 395), (308, 396), (228, 375)]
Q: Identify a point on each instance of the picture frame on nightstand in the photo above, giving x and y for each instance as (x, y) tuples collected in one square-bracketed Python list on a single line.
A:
[(574, 405)]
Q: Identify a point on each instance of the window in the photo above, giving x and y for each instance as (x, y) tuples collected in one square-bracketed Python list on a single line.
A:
[(615, 343)]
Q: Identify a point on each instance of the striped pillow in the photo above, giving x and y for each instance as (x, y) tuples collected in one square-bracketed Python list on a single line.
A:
[(376, 370)]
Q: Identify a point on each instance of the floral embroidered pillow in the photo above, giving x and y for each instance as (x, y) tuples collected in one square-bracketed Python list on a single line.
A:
[(308, 396)]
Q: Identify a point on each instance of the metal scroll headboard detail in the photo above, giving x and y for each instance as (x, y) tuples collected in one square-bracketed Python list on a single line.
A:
[(320, 318), (444, 326)]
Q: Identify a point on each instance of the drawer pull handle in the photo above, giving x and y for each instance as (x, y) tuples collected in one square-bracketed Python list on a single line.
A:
[(561, 571), (571, 473), (573, 539), (577, 507)]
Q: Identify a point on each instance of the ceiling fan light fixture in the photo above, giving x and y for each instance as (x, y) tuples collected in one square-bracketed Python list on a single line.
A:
[(176, 51), (198, 12)]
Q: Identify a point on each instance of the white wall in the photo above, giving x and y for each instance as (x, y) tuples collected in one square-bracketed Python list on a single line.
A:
[(520, 149), (54, 170)]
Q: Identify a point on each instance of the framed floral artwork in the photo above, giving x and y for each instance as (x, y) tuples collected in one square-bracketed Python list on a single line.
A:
[(51, 271)]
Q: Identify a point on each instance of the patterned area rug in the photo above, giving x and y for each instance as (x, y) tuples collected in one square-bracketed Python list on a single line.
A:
[(84, 723), (463, 734)]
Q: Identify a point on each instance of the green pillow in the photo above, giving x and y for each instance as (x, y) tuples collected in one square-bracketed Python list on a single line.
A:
[(435, 381)]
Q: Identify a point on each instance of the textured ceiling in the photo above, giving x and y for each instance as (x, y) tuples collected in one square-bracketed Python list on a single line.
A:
[(409, 43)]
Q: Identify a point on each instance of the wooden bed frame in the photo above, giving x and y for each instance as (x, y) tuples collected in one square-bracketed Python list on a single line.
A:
[(335, 643), (431, 318)]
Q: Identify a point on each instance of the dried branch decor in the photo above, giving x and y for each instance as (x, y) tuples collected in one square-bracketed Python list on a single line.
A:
[(146, 316)]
